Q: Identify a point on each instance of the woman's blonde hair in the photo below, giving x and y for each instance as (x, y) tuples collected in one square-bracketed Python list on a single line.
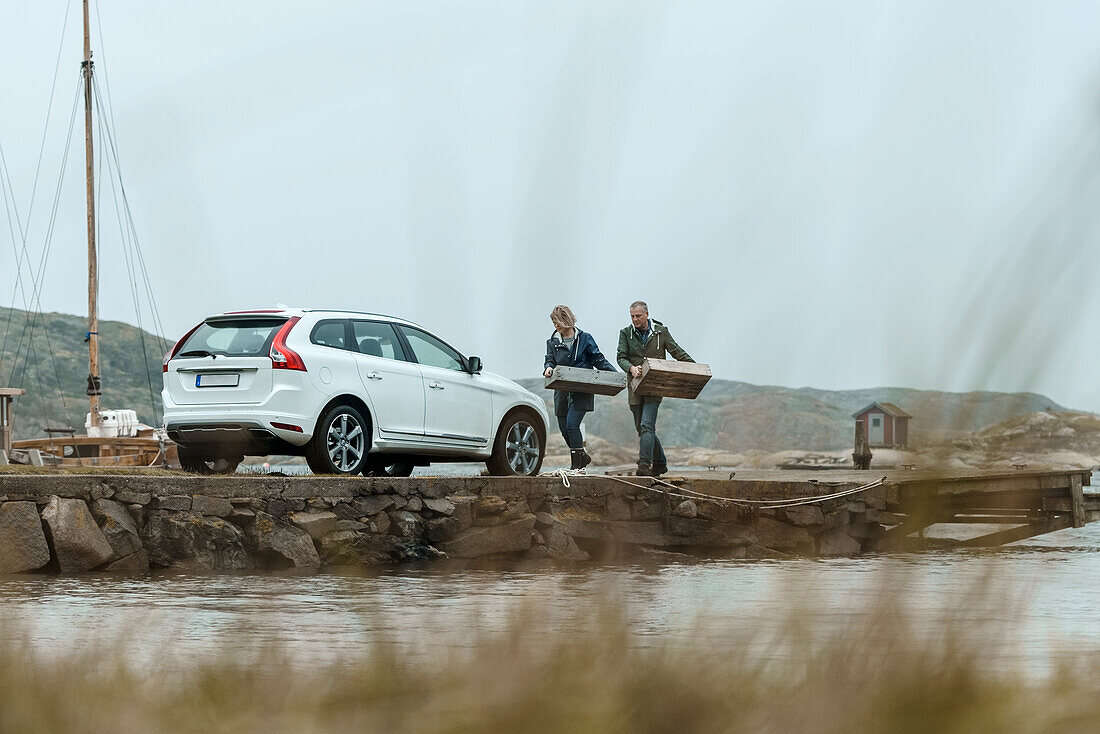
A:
[(563, 316)]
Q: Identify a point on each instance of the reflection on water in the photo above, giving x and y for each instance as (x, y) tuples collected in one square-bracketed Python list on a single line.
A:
[(424, 612), (1046, 591)]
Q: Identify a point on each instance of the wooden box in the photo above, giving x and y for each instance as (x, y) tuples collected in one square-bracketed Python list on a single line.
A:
[(576, 379), (667, 378)]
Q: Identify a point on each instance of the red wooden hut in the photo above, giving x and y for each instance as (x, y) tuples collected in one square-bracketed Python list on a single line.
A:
[(885, 425)]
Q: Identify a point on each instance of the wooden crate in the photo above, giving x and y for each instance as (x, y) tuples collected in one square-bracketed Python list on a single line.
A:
[(667, 378), (576, 379)]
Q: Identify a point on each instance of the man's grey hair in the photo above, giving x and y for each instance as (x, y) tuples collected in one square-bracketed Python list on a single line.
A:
[(639, 304)]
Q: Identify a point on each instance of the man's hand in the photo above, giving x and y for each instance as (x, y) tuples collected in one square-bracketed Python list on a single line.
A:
[(549, 371), (636, 371)]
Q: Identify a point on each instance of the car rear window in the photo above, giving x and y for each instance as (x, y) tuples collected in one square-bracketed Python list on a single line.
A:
[(232, 338)]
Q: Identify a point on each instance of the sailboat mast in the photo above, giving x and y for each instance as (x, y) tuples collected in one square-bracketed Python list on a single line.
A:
[(93, 270)]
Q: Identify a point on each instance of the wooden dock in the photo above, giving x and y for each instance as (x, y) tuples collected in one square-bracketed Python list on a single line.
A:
[(1024, 502)]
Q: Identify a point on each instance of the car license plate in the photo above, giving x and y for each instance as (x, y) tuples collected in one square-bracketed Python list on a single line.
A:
[(218, 379)]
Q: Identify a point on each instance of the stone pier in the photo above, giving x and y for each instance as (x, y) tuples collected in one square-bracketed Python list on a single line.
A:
[(72, 523)]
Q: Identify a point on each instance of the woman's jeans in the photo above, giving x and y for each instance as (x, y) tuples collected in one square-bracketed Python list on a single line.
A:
[(649, 446), (570, 426)]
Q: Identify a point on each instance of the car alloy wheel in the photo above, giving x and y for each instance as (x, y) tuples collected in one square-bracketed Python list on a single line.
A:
[(522, 447), (345, 441)]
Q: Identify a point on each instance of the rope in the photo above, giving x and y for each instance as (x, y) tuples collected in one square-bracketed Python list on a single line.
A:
[(758, 504), (564, 474), (793, 501)]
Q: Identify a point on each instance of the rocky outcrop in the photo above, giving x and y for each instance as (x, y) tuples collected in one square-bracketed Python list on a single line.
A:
[(317, 524), (78, 543), (837, 543), (23, 545), (192, 541), (279, 544), (511, 536), (118, 526)]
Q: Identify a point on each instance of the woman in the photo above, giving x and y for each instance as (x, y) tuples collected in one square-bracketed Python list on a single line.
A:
[(570, 347)]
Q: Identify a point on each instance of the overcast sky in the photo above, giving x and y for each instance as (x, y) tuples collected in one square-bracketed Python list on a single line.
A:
[(834, 194)]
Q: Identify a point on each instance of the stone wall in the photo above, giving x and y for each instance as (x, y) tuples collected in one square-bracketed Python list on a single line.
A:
[(76, 523)]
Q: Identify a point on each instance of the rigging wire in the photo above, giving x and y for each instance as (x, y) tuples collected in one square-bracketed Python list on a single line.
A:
[(24, 256), (126, 245), (5, 183), (49, 108), (112, 127), (34, 187), (131, 244), (138, 254), (36, 294)]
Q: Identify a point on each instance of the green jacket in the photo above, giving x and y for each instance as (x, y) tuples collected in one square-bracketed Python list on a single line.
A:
[(631, 352)]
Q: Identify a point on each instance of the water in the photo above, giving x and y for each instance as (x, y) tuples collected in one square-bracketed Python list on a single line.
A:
[(1046, 592)]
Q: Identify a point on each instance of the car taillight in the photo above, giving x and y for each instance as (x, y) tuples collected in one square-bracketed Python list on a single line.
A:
[(172, 352), (282, 356)]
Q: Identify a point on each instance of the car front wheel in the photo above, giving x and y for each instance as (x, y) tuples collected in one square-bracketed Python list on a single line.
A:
[(518, 449), (340, 443)]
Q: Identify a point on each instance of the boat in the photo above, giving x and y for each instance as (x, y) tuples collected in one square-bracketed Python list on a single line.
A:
[(113, 437), (816, 462)]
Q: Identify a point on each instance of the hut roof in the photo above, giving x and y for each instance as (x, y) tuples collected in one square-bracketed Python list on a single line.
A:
[(888, 408)]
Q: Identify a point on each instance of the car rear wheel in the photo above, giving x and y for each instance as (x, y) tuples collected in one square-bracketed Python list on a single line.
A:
[(340, 444), (201, 463), (518, 449)]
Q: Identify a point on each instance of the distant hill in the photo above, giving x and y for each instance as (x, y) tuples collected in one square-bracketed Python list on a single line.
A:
[(738, 416), (123, 372), (728, 416)]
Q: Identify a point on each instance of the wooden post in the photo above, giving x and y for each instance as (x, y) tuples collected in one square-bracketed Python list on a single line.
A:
[(93, 274), (1077, 501), (7, 418), (861, 450)]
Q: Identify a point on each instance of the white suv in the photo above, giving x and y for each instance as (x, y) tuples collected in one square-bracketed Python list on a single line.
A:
[(352, 392)]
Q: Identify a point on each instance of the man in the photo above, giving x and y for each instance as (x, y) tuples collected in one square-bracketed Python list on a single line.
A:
[(646, 337)]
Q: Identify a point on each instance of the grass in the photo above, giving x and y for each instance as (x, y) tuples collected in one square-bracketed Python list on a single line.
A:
[(881, 674), (97, 470)]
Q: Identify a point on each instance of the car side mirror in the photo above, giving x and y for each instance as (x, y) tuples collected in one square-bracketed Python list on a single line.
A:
[(473, 365)]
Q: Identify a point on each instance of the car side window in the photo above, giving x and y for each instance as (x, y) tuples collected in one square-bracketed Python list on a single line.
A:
[(377, 339), (430, 351), (330, 333)]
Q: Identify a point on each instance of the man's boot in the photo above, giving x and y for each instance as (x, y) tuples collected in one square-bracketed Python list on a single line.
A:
[(659, 469), (645, 469)]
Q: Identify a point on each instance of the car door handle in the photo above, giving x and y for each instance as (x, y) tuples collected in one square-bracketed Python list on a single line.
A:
[(435, 385), (373, 376)]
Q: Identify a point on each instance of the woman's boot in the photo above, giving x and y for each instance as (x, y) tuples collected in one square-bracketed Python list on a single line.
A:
[(581, 459)]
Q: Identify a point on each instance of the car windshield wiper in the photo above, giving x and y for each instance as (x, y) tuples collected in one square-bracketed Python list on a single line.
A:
[(198, 353)]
